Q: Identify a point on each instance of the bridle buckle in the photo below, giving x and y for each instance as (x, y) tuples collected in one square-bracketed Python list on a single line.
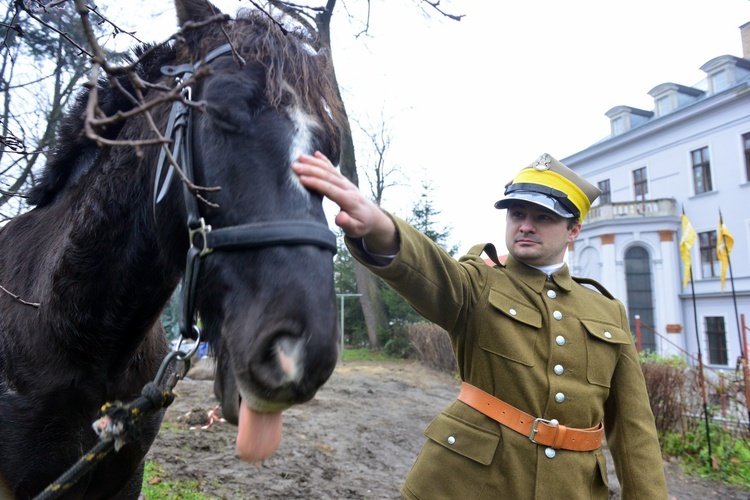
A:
[(203, 229)]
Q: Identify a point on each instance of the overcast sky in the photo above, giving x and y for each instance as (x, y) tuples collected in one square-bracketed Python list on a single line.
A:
[(471, 102)]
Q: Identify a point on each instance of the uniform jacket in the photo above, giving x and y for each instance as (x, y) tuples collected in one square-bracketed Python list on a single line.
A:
[(549, 346)]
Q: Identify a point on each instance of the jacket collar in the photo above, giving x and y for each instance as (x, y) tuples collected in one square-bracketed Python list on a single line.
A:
[(535, 279)]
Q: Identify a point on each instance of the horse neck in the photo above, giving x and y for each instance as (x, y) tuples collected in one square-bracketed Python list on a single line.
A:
[(112, 269)]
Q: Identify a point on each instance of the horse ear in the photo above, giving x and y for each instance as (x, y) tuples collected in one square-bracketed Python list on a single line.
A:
[(194, 10)]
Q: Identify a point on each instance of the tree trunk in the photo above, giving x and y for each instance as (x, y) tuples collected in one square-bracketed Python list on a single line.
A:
[(372, 302), (373, 308)]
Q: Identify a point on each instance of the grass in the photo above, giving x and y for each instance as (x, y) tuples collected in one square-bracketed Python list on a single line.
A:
[(365, 354), (154, 488)]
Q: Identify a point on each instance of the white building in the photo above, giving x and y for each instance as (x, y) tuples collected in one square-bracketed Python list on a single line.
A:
[(690, 153)]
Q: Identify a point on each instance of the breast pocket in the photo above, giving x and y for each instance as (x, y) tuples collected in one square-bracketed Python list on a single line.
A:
[(603, 347), (511, 328)]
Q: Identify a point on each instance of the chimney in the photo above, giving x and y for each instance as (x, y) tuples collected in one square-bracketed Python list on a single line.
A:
[(745, 33)]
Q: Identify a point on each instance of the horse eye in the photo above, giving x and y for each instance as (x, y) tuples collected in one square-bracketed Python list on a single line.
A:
[(222, 118)]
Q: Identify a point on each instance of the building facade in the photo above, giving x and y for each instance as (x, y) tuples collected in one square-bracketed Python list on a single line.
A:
[(690, 154)]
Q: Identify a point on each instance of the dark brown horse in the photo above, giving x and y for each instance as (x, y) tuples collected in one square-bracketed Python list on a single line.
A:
[(88, 270)]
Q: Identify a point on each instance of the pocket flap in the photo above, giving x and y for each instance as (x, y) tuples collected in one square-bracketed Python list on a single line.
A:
[(515, 309), (607, 332), (461, 437)]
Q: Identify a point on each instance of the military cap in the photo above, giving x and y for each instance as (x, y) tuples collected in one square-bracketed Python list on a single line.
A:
[(552, 185)]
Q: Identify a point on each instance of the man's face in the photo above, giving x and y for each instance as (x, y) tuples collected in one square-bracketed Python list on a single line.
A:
[(537, 236)]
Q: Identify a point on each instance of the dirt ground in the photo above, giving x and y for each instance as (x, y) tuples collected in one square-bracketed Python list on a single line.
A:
[(356, 440)]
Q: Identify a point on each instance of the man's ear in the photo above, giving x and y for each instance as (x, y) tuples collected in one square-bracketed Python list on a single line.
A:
[(574, 232)]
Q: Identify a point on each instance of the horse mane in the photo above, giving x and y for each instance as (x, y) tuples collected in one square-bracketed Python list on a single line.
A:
[(290, 59), (74, 154)]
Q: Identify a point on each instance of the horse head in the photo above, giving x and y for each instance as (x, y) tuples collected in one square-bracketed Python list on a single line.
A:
[(264, 290)]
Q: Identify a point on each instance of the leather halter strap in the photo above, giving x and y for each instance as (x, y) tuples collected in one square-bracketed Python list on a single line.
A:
[(203, 238)]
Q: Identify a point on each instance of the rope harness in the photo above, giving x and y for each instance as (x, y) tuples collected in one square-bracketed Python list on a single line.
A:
[(119, 422)]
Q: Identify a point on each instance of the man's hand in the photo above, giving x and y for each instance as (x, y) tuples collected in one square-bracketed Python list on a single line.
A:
[(359, 217)]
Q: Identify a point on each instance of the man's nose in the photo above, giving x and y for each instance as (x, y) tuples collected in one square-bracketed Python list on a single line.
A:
[(527, 226)]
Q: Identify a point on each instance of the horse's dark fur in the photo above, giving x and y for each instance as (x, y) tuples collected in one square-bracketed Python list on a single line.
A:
[(73, 152), (102, 265)]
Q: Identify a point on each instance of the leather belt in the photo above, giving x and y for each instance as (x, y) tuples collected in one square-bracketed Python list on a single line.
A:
[(538, 430)]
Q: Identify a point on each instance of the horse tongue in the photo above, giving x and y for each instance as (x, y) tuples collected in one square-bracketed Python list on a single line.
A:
[(259, 434)]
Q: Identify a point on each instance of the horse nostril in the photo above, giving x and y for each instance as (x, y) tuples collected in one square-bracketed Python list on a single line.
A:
[(289, 357)]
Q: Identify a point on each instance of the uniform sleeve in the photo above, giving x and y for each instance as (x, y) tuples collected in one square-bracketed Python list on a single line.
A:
[(439, 288), (630, 429)]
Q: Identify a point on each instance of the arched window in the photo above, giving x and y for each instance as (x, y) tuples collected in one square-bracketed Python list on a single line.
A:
[(640, 294)]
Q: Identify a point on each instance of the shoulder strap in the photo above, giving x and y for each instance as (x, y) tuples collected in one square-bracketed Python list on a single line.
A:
[(487, 248), (595, 284)]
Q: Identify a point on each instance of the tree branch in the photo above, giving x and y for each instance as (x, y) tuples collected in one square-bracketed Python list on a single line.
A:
[(19, 299), (436, 5)]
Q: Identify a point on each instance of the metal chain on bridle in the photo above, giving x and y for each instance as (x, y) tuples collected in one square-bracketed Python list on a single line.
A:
[(119, 421)]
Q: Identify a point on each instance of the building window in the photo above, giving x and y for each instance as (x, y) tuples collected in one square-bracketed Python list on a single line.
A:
[(701, 170), (717, 340), (638, 278), (746, 145), (618, 125), (640, 183), (710, 264), (606, 196), (663, 105), (719, 81)]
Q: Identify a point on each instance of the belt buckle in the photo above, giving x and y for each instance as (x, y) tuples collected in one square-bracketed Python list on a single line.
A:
[(534, 426)]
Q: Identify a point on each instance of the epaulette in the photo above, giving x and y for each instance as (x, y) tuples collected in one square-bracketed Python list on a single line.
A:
[(487, 248), (595, 284)]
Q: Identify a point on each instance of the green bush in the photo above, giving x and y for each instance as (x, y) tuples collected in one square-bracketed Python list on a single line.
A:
[(395, 341), (730, 456)]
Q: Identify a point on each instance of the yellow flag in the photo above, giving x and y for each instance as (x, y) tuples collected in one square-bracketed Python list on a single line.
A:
[(724, 244), (688, 238)]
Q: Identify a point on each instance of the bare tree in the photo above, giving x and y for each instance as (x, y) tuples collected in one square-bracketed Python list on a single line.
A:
[(42, 62), (317, 21), (26, 135)]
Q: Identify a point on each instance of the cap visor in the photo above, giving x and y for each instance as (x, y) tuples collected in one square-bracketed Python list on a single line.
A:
[(540, 199)]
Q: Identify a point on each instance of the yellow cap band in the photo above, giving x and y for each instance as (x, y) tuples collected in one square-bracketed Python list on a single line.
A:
[(554, 180)]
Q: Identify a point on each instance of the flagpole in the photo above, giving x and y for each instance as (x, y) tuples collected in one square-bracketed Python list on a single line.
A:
[(743, 358), (731, 283), (700, 365), (686, 242)]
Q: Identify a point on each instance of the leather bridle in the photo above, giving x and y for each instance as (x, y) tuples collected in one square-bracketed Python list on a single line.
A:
[(203, 238)]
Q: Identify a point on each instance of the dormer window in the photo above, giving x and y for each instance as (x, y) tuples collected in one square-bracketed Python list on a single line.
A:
[(718, 81), (669, 97), (724, 72), (624, 118), (663, 106), (618, 125)]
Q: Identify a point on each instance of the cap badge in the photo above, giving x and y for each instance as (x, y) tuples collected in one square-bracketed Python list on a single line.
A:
[(542, 163)]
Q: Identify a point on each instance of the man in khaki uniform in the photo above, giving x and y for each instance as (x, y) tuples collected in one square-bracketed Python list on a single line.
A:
[(545, 360)]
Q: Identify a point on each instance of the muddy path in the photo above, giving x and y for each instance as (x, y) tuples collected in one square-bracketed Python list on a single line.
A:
[(356, 440)]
